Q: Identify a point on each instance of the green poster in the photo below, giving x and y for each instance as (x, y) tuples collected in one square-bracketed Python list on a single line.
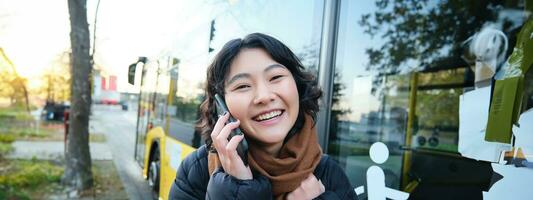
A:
[(506, 100), (525, 40), (502, 107)]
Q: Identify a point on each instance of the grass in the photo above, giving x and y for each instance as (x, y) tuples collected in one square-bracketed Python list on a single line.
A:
[(5, 148), (15, 114), (24, 133), (35, 179), (5, 144), (6, 138), (45, 132), (19, 179), (20, 124), (28, 133)]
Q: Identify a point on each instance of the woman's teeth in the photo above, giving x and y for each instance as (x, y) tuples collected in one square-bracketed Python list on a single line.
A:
[(269, 115)]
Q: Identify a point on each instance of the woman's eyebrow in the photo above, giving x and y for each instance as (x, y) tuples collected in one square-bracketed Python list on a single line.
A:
[(238, 76), (246, 75), (273, 66)]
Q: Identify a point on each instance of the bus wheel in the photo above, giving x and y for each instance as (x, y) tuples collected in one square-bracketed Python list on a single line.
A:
[(154, 170)]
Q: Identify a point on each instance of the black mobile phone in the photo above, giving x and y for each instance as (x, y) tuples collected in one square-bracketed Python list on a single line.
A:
[(242, 148)]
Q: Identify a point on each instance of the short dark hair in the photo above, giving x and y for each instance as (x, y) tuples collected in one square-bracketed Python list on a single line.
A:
[(306, 83)]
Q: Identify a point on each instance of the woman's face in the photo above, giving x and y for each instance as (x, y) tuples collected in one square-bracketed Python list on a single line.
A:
[(262, 94)]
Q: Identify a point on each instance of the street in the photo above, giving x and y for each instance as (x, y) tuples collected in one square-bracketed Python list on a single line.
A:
[(119, 128)]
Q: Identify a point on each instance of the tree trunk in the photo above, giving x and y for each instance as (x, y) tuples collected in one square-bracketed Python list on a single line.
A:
[(78, 172), (26, 100)]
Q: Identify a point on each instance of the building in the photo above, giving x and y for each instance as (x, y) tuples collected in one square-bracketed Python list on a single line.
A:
[(105, 89)]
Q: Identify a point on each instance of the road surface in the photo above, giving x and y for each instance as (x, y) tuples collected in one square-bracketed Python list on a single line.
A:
[(119, 128)]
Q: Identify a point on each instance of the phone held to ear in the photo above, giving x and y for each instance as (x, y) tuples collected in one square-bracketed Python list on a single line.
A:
[(242, 148)]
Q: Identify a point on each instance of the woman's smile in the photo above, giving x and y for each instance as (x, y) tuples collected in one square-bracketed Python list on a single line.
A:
[(270, 118)]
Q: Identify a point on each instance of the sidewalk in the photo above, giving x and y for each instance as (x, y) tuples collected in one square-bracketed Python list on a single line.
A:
[(51, 150)]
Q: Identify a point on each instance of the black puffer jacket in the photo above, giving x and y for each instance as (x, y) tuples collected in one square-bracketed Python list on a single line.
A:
[(193, 181)]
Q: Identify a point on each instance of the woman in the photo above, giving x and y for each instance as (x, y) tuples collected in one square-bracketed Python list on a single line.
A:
[(275, 103)]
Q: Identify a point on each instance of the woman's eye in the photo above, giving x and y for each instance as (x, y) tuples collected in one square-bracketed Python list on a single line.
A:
[(241, 87), (276, 77)]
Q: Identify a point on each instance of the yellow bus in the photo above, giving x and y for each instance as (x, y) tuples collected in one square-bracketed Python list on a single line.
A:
[(162, 138)]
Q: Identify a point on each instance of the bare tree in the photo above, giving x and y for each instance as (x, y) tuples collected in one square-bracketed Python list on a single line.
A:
[(17, 83), (78, 172), (57, 79)]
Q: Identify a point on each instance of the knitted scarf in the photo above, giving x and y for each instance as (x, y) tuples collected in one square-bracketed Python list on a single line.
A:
[(297, 158)]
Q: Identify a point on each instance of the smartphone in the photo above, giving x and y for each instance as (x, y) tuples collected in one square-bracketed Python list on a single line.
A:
[(242, 148)]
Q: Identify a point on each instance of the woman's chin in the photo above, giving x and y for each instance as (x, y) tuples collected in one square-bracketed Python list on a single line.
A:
[(272, 137)]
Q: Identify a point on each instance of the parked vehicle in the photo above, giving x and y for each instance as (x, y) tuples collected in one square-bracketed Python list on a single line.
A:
[(53, 111)]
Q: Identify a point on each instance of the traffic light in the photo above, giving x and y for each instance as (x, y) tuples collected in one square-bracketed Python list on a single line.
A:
[(211, 35)]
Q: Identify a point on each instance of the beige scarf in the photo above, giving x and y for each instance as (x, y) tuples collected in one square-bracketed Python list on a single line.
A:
[(298, 158)]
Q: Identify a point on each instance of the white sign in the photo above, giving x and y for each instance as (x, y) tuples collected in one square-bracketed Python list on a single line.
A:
[(375, 177)]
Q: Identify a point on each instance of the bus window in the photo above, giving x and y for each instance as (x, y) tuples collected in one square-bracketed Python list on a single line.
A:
[(161, 92), (146, 106), (188, 94), (436, 122)]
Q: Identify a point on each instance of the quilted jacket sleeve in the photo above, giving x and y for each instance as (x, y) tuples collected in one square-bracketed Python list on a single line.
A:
[(335, 181), (224, 186)]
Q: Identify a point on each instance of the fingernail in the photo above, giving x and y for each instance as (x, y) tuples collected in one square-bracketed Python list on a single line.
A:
[(223, 114)]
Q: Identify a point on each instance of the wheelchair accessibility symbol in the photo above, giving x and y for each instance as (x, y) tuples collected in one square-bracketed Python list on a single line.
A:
[(375, 177)]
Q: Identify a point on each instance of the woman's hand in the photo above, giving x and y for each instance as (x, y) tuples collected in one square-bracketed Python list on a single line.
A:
[(227, 153), (310, 188)]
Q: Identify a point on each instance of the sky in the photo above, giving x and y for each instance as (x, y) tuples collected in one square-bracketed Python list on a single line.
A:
[(31, 36), (34, 33)]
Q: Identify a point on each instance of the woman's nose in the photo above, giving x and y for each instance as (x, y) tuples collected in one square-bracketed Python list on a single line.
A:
[(264, 95)]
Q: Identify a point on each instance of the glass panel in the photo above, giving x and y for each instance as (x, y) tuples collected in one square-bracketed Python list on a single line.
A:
[(400, 69), (160, 94), (146, 106), (368, 105)]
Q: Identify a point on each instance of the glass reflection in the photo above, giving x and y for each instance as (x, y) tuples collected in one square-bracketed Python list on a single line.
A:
[(400, 69), (369, 105)]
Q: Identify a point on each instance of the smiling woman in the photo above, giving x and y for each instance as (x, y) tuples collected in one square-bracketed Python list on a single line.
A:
[(275, 103)]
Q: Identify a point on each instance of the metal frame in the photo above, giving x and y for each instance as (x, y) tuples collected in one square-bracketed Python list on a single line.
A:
[(328, 47)]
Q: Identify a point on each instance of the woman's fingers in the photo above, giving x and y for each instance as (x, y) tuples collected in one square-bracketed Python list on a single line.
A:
[(221, 138), (219, 125), (229, 158), (309, 183), (312, 187), (233, 143)]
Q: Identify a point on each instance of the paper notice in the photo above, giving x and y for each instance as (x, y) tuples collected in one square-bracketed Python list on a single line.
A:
[(473, 117)]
